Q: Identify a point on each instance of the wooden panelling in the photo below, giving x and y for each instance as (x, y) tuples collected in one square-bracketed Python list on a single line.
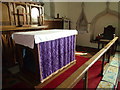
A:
[(54, 24)]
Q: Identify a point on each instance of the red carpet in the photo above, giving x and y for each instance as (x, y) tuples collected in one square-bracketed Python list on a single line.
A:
[(93, 76), (93, 73)]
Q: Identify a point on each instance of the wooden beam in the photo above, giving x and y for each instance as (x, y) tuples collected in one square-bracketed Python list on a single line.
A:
[(14, 28), (28, 3), (86, 81), (9, 11), (71, 81), (26, 14), (30, 14), (14, 11), (103, 59)]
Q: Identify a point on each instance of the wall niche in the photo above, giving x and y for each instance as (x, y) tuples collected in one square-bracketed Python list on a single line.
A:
[(82, 23)]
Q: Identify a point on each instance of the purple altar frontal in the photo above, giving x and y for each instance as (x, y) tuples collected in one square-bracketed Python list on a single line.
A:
[(56, 49)]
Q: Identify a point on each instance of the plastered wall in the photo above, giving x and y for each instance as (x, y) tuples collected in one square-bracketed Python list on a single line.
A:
[(72, 11), (91, 10), (63, 11)]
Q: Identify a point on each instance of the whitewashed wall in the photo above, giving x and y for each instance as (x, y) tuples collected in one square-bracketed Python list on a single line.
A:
[(62, 9), (72, 11), (91, 10)]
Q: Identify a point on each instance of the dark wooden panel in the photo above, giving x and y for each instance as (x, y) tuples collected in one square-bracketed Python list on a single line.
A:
[(54, 24), (28, 62), (8, 44)]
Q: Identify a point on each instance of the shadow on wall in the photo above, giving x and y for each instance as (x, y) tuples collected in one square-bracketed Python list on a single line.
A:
[(52, 9), (105, 17), (49, 10)]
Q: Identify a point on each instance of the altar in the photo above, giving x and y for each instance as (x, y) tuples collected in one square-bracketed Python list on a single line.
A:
[(43, 53)]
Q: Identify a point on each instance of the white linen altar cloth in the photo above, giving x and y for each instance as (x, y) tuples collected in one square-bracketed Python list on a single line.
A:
[(28, 38)]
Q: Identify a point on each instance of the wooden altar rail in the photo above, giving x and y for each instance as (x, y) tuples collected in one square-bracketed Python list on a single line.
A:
[(81, 72)]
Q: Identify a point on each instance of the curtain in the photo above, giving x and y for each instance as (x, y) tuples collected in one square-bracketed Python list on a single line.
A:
[(55, 54)]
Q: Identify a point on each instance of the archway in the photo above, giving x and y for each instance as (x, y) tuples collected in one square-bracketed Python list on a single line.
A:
[(107, 15), (104, 21)]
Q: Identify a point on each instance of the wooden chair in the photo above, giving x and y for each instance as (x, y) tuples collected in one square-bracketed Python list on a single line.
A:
[(109, 32), (106, 36)]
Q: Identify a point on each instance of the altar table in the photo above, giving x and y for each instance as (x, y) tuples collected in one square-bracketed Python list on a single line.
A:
[(8, 45), (54, 50)]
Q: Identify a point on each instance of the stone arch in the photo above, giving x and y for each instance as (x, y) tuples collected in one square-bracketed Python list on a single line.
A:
[(98, 16)]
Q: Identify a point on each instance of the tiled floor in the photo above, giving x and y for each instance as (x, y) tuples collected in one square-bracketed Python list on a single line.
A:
[(117, 55)]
